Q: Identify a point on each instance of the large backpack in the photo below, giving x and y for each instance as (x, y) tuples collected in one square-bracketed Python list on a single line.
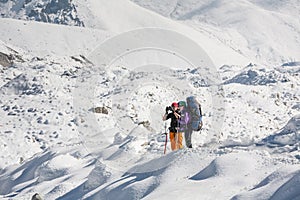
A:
[(194, 108)]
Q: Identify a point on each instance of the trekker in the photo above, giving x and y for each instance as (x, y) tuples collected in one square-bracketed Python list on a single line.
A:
[(184, 123), (173, 113), (195, 123)]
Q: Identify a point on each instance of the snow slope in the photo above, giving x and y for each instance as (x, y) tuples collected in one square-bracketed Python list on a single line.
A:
[(273, 40), (96, 14), (58, 40), (72, 129)]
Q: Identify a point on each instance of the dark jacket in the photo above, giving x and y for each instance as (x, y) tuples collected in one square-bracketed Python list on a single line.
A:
[(174, 125)]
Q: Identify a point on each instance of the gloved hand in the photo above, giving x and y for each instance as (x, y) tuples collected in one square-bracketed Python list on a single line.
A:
[(168, 108)]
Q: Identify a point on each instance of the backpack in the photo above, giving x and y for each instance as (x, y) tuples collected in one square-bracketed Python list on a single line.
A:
[(194, 109)]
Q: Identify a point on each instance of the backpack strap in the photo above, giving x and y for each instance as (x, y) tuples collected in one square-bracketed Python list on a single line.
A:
[(200, 110)]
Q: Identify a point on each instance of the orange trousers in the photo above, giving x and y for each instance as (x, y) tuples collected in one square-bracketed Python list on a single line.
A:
[(176, 141)]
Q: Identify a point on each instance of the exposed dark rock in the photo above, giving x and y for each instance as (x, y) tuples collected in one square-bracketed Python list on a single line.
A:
[(102, 110), (253, 77), (36, 196), (49, 11), (5, 60)]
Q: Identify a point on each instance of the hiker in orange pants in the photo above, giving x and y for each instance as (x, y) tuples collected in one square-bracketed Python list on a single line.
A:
[(172, 112), (176, 141)]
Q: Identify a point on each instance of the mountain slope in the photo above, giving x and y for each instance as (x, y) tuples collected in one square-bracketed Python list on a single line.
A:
[(274, 40), (50, 11), (113, 23), (42, 39)]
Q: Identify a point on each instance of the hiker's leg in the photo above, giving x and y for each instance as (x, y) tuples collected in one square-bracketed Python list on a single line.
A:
[(176, 141), (172, 140), (180, 138), (188, 137)]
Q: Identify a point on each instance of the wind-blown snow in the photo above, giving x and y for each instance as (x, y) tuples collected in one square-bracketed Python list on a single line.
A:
[(112, 147)]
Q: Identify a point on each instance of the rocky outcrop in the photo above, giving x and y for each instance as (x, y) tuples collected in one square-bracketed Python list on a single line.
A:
[(49, 11)]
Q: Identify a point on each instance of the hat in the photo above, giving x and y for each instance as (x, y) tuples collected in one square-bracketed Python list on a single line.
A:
[(174, 104), (182, 103)]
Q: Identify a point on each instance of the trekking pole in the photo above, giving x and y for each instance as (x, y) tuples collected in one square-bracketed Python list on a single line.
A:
[(166, 138), (176, 139)]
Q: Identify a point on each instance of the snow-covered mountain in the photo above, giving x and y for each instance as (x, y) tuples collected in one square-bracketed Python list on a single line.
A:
[(264, 30), (82, 107), (50, 11)]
